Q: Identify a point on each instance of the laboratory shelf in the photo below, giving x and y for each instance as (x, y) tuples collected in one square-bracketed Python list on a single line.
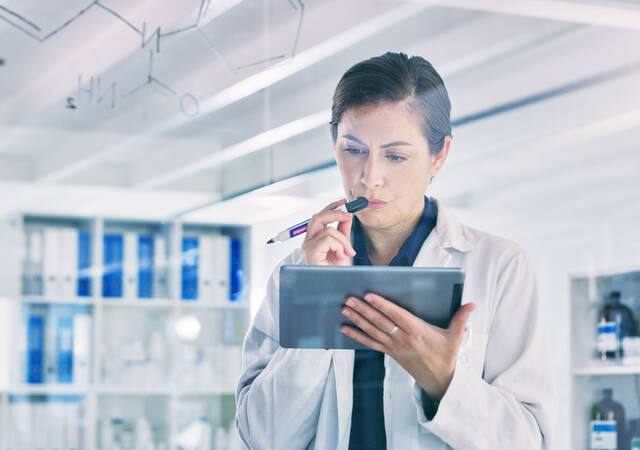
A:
[(123, 338)]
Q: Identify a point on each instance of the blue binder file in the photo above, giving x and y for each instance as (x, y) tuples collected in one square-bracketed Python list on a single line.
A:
[(112, 261), (35, 349), (84, 264), (189, 268), (236, 275), (64, 349), (145, 266)]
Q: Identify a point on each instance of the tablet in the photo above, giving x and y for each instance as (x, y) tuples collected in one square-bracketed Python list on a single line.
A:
[(311, 298)]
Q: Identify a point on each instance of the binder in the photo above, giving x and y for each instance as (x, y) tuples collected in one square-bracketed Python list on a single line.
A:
[(36, 258), (52, 257), (81, 346), (189, 268), (160, 267), (69, 261), (35, 348), (26, 263), (237, 276), (84, 264), (145, 266), (50, 315), (206, 269), (112, 266), (130, 265), (222, 267), (64, 349)]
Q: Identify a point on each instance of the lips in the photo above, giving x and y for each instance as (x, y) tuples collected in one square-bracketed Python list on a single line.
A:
[(375, 203)]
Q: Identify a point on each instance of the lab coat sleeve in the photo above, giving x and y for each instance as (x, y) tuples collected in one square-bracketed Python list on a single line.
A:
[(513, 403), (280, 391)]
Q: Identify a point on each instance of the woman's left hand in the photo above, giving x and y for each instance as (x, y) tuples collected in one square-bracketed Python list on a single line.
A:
[(427, 352)]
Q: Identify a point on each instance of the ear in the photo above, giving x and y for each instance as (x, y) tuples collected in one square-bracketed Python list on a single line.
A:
[(440, 158)]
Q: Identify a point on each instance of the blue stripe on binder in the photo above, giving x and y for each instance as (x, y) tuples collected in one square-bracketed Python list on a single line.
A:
[(236, 270), (64, 349), (145, 266), (35, 349), (112, 276), (84, 264), (189, 268)]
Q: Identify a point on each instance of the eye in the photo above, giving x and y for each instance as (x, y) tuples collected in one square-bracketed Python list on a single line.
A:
[(396, 157), (353, 151)]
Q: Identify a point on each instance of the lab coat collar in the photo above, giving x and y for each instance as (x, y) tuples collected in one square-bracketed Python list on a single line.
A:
[(449, 231)]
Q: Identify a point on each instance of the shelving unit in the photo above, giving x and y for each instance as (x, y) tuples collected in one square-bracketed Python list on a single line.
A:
[(222, 324), (589, 375)]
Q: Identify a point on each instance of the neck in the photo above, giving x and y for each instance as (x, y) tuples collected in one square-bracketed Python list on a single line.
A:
[(384, 243)]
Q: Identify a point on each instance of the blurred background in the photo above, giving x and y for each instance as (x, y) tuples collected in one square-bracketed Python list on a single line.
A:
[(149, 149)]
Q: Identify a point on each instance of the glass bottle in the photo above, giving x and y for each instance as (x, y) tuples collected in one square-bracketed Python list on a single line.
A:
[(621, 315), (607, 424)]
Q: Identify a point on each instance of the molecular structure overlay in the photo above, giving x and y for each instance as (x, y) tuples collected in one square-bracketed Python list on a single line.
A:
[(92, 87)]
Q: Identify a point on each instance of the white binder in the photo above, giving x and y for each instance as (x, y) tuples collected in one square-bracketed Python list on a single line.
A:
[(69, 264), (81, 345), (160, 267), (52, 262), (206, 268), (130, 265), (222, 267)]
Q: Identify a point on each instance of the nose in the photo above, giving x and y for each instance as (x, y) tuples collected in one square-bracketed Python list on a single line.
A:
[(372, 172)]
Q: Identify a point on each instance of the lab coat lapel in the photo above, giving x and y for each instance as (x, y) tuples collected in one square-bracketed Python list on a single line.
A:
[(343, 371)]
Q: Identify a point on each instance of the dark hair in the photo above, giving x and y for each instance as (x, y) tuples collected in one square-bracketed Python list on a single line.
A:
[(394, 77)]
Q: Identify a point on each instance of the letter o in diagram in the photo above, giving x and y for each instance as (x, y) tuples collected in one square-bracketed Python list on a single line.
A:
[(189, 105)]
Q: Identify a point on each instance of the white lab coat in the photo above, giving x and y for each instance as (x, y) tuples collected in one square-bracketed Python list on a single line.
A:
[(501, 395)]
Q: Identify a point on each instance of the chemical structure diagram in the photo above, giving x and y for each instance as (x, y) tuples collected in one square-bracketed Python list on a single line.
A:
[(92, 90)]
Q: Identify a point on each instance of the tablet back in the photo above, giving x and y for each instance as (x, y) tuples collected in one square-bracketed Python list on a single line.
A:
[(311, 298)]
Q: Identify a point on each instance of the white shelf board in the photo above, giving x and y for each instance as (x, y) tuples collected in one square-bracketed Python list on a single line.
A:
[(48, 389), (607, 369), (40, 299), (106, 389), (220, 390), (137, 302), (187, 304)]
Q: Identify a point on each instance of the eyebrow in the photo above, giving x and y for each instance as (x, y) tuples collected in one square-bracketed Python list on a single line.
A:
[(390, 144)]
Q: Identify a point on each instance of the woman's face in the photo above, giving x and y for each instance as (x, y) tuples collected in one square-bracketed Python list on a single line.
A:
[(383, 155)]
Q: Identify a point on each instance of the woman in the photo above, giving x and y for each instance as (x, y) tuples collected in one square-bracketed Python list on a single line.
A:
[(419, 386)]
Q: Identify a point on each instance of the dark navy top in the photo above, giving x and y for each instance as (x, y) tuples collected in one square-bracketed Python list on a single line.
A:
[(367, 416)]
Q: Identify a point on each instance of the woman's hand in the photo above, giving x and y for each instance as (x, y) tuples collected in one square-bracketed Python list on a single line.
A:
[(324, 245), (427, 352)]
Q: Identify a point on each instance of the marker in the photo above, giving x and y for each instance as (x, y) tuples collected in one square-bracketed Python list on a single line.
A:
[(296, 230)]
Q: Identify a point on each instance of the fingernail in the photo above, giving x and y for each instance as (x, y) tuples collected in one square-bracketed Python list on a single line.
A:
[(367, 297), (349, 302)]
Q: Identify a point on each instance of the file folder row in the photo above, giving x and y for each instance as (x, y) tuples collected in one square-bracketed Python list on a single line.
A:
[(45, 422), (211, 268), (56, 262), (54, 345)]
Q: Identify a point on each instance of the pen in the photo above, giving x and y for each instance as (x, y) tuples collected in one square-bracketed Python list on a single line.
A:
[(354, 206)]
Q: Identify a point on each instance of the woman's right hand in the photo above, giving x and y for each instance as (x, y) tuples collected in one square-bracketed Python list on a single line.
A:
[(327, 246)]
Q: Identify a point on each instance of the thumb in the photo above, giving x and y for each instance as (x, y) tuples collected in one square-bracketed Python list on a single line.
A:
[(459, 321)]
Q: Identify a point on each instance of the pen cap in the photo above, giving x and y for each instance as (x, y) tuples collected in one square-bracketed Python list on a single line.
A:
[(357, 204)]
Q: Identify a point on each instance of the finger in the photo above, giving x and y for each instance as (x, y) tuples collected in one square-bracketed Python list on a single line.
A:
[(335, 204), (362, 338), (344, 226), (459, 321), (346, 243), (367, 326), (382, 322), (326, 244), (398, 315), (319, 221)]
